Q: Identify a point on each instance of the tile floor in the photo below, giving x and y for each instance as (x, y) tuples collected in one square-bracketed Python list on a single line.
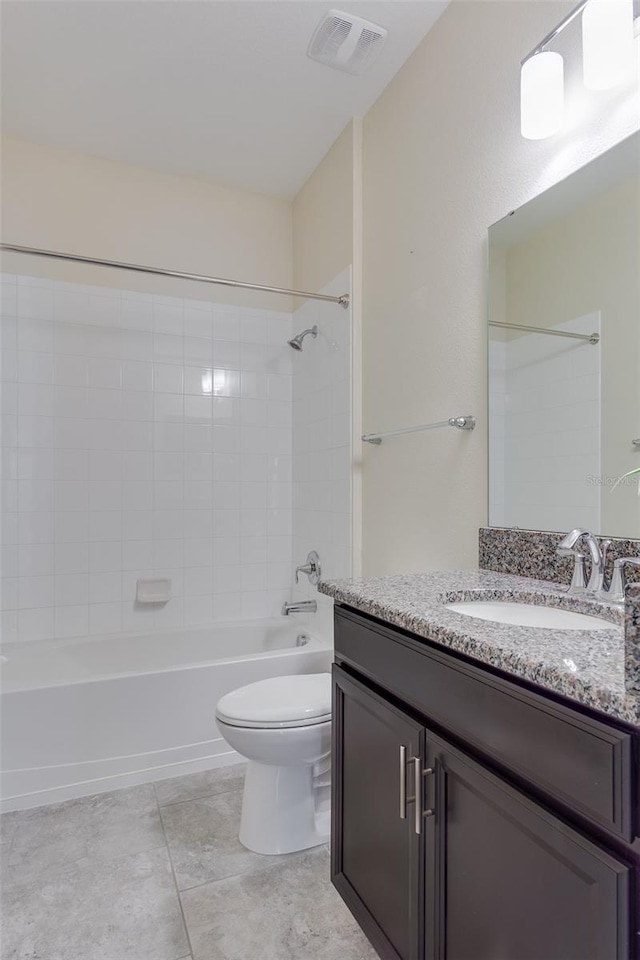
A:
[(156, 872)]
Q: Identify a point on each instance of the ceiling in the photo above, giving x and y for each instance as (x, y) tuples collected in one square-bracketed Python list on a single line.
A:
[(220, 89)]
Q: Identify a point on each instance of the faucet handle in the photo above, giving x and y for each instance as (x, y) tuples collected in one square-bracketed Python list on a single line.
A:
[(618, 582), (311, 568), (567, 548), (578, 585)]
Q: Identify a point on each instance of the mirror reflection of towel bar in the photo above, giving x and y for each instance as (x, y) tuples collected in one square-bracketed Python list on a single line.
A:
[(589, 337), (462, 423)]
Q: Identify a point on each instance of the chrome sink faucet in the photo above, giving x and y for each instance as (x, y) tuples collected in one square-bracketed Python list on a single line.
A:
[(614, 591), (598, 553)]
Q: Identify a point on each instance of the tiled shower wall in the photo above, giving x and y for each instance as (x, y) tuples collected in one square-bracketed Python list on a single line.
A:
[(141, 436)]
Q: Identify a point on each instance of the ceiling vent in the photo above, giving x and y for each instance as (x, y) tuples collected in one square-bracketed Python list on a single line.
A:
[(346, 42)]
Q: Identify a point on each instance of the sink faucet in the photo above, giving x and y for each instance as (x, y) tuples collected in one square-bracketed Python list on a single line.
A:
[(598, 553)]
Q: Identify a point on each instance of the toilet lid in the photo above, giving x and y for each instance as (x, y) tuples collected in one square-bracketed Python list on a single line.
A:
[(279, 702)]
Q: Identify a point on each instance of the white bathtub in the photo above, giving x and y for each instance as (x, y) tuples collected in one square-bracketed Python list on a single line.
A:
[(84, 716)]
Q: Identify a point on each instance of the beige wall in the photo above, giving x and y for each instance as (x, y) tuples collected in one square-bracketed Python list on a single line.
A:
[(327, 238), (585, 262), (443, 159), (63, 200), (323, 218)]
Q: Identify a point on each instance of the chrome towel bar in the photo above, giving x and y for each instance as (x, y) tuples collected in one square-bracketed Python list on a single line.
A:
[(589, 337), (461, 423)]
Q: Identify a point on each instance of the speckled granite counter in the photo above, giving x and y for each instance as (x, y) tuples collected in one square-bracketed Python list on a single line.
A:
[(586, 666)]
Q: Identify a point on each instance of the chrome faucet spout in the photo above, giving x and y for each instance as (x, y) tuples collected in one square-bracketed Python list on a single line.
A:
[(597, 552), (299, 606)]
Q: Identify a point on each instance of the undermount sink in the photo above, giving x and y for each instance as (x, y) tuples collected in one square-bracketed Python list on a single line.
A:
[(528, 615)]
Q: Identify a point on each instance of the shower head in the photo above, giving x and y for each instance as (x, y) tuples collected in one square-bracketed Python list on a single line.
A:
[(296, 342)]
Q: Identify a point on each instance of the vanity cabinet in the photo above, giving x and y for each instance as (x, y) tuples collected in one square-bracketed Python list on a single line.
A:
[(379, 856), (444, 853)]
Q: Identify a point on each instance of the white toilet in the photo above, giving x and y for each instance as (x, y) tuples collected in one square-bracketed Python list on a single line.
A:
[(283, 727)]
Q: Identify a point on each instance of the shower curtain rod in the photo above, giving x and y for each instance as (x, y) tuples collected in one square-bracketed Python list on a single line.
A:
[(343, 300)]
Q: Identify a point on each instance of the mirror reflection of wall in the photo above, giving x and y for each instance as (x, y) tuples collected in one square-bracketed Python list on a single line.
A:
[(564, 412)]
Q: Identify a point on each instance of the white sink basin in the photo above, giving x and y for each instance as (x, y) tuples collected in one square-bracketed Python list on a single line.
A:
[(528, 615)]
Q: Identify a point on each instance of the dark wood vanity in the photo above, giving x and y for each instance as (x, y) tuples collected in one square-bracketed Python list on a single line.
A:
[(476, 816)]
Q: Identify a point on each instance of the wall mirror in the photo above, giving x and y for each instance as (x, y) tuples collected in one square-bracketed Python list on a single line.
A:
[(564, 353)]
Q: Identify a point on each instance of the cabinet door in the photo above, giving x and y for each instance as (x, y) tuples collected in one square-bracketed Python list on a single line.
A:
[(509, 880), (376, 852)]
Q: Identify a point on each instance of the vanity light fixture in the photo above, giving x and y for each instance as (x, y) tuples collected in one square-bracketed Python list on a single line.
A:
[(541, 95), (608, 59)]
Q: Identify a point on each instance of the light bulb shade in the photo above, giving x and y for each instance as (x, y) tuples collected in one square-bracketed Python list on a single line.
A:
[(541, 95), (607, 43)]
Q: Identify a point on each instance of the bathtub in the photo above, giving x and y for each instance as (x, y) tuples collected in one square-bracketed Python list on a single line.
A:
[(83, 716)]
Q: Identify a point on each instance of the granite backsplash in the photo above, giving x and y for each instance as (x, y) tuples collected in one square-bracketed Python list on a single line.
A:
[(532, 553), (632, 639)]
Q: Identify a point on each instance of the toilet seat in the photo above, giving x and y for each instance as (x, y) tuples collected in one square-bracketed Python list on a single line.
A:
[(278, 703)]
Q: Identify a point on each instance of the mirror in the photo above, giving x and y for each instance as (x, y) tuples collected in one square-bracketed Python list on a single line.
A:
[(564, 353)]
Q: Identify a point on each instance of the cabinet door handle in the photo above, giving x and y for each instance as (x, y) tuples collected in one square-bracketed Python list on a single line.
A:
[(417, 782), (419, 774), (403, 782)]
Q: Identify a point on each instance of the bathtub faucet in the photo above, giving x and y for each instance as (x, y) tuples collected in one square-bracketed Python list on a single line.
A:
[(299, 606)]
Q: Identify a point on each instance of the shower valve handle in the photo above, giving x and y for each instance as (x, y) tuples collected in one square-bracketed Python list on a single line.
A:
[(311, 568)]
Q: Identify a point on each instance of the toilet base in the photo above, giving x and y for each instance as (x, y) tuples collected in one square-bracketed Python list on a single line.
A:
[(279, 812)]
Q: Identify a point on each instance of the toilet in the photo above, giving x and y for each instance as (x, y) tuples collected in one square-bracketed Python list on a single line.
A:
[(283, 728)]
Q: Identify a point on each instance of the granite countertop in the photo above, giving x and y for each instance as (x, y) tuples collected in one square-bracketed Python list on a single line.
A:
[(583, 665)]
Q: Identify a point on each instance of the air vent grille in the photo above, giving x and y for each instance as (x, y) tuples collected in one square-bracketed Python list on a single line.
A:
[(328, 38), (346, 42)]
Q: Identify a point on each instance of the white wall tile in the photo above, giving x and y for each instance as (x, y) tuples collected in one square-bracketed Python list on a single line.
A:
[(137, 375), (71, 588), (198, 581), (227, 579), (198, 610), (105, 618), (35, 592), (72, 557), (9, 593), (167, 378), (226, 355), (36, 624), (70, 401), (105, 587), (35, 334), (35, 560), (138, 434), (105, 556), (9, 626), (35, 399), (136, 312), (72, 621)]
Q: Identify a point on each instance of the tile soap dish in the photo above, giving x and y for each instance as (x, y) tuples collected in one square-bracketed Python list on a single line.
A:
[(153, 590)]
